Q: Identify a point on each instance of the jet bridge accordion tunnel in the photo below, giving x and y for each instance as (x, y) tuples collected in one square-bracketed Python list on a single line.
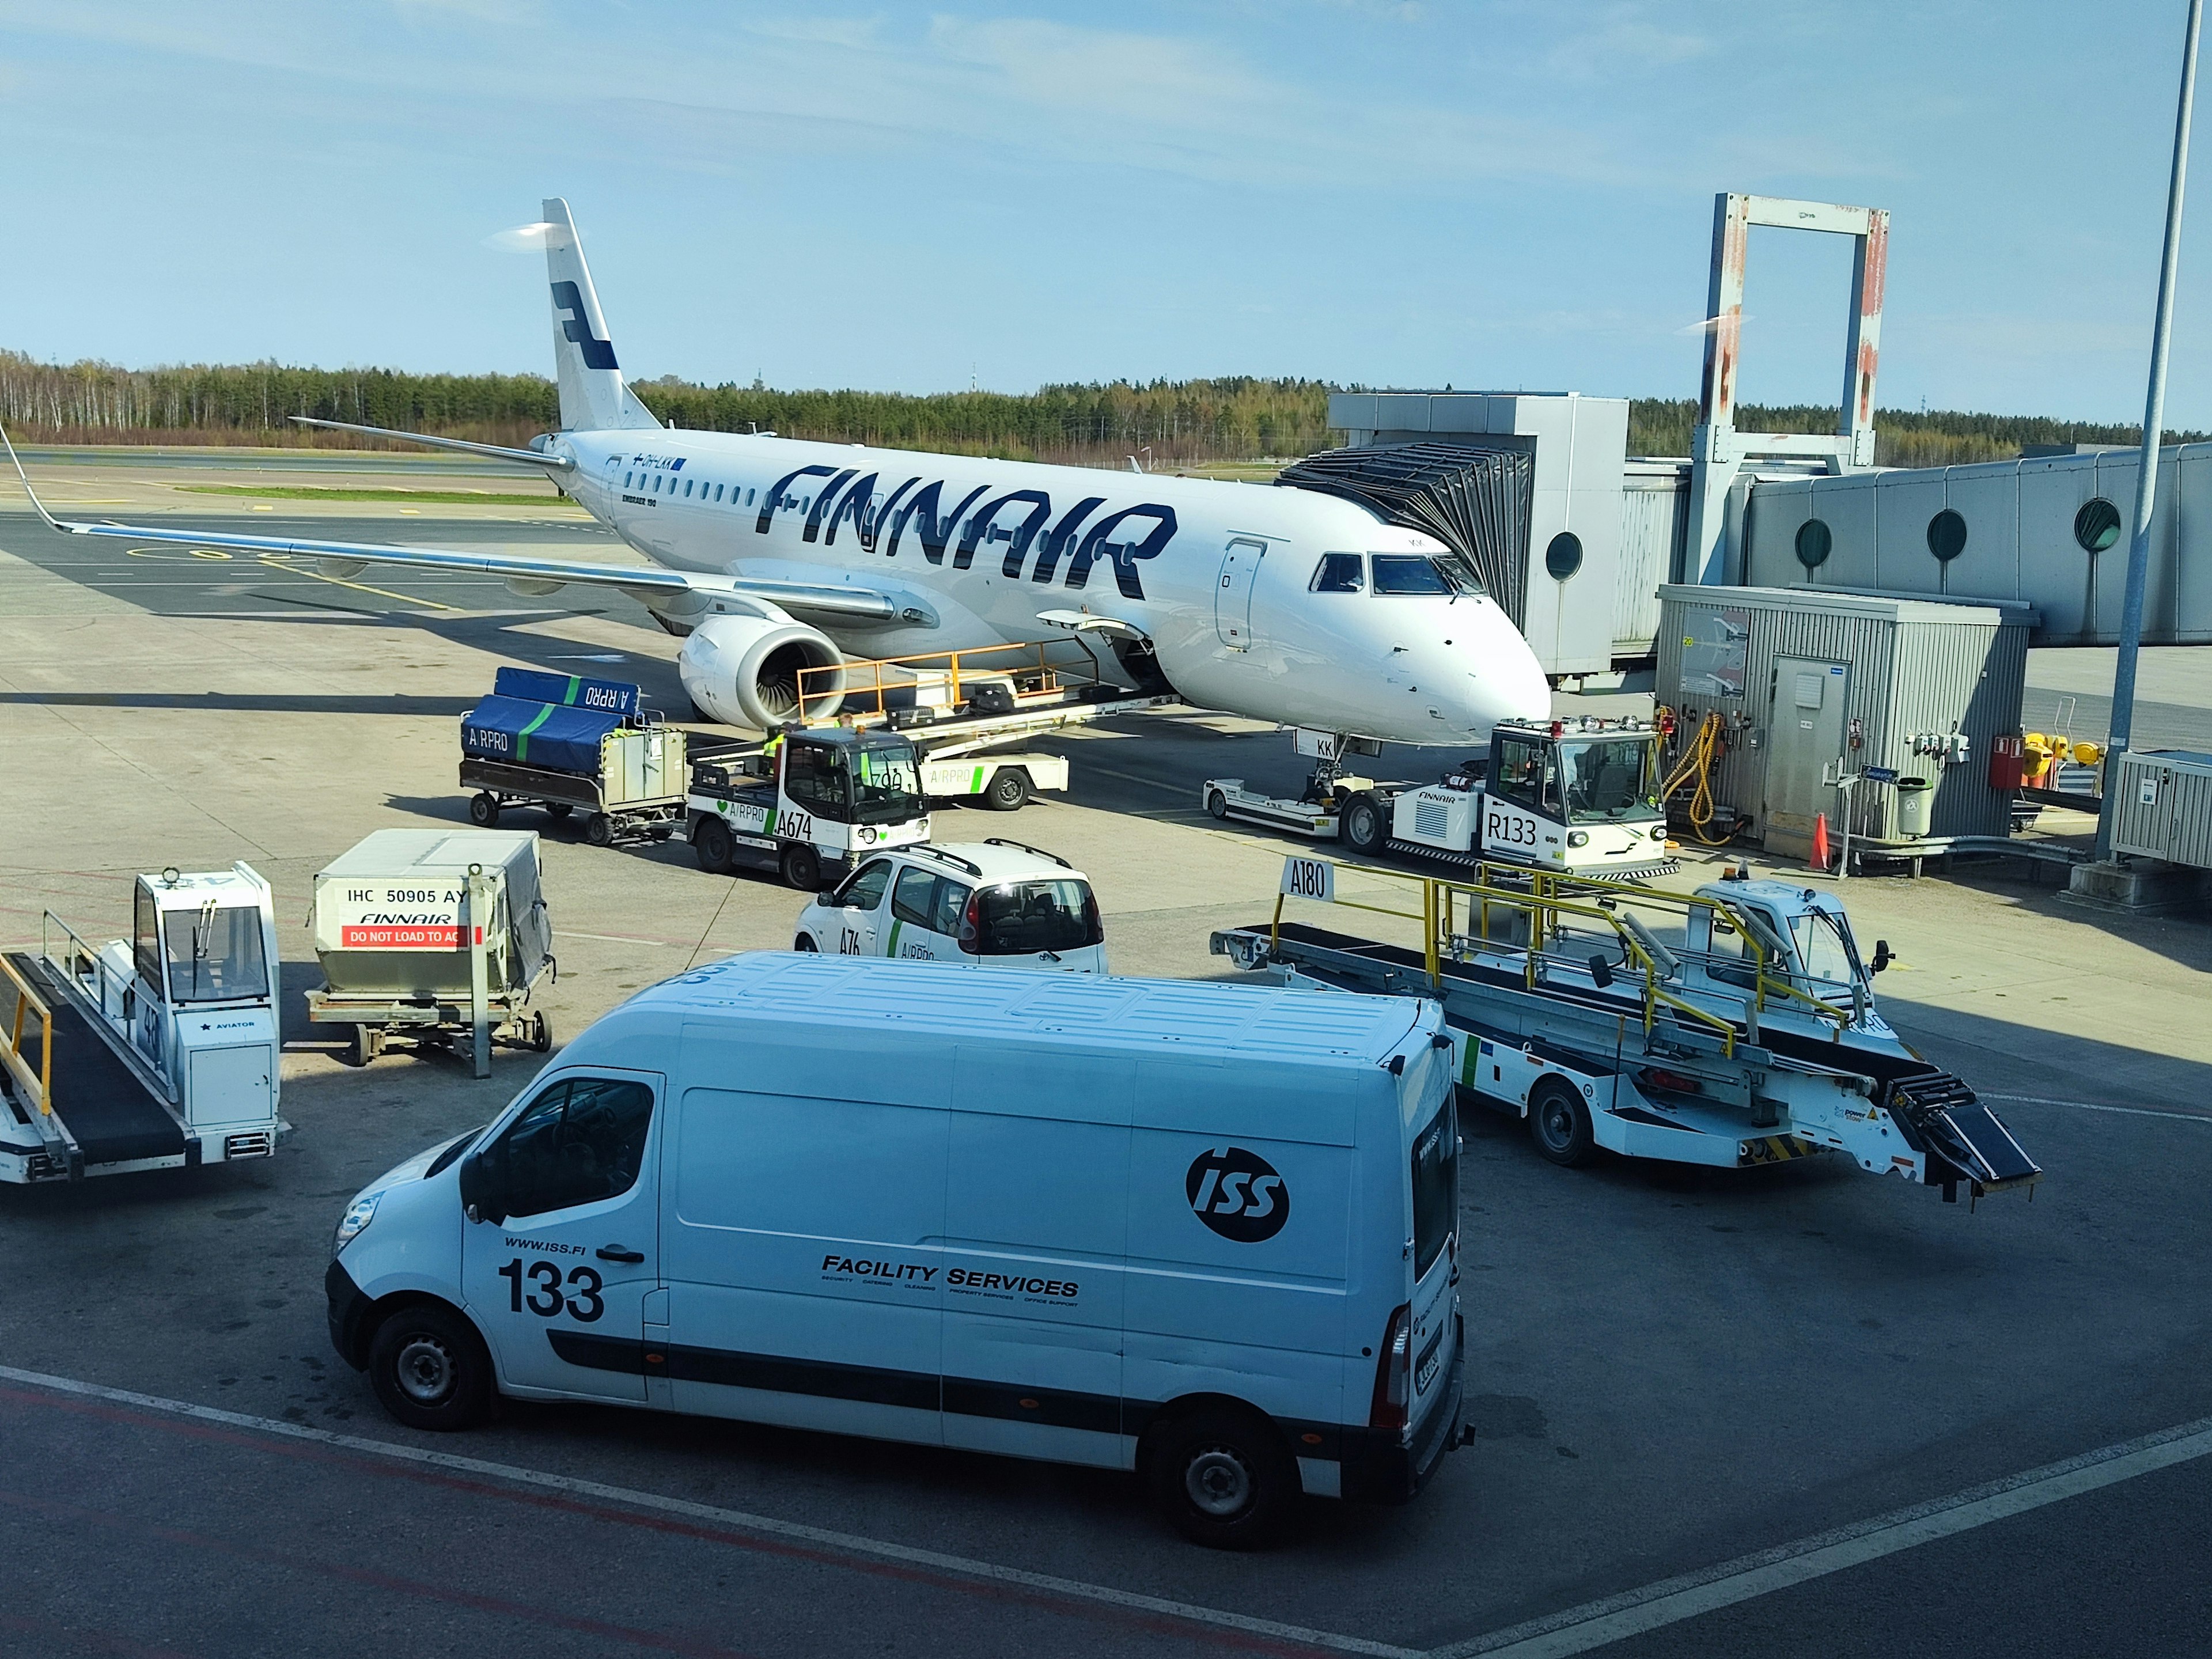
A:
[(1476, 501)]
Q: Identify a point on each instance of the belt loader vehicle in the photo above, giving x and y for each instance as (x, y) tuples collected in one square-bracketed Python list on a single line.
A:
[(1578, 798), (1733, 1027), (157, 1052)]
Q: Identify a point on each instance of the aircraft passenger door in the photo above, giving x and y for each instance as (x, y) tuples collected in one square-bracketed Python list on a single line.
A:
[(1232, 595)]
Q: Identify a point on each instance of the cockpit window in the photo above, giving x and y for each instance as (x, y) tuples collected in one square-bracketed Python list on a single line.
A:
[(1418, 573), (1337, 572)]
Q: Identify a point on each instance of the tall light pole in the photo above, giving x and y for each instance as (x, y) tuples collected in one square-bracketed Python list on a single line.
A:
[(2132, 608)]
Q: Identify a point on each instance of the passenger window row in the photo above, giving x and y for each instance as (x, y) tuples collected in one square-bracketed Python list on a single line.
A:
[(736, 496)]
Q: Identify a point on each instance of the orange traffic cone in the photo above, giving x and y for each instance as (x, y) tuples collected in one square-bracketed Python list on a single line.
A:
[(1819, 860)]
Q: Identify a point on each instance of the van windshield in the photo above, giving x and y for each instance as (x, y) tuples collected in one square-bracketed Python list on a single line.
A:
[(1436, 1187)]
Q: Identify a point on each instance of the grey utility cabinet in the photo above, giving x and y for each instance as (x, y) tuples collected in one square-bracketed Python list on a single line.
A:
[(1811, 683)]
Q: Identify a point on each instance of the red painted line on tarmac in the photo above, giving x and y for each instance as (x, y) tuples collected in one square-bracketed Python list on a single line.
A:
[(671, 1525), (105, 1640), (373, 1580)]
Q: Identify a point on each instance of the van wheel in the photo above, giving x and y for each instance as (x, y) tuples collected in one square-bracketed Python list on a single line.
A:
[(1224, 1479), (1559, 1123), (713, 846), (430, 1369), (1008, 790), (800, 868), (483, 809), (1364, 830), (805, 943)]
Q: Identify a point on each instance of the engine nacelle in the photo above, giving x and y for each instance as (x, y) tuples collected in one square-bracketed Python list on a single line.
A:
[(744, 671)]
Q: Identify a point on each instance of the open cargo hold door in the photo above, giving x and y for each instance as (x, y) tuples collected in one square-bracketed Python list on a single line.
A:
[(1477, 502)]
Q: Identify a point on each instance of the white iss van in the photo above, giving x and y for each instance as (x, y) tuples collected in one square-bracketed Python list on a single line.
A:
[(1204, 1232)]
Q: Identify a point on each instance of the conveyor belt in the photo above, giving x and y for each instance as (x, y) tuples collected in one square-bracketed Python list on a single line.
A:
[(112, 1117)]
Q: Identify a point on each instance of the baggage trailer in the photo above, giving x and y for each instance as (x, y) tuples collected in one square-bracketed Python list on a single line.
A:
[(1572, 797), (1734, 1027), (157, 1052), (432, 935), (567, 744)]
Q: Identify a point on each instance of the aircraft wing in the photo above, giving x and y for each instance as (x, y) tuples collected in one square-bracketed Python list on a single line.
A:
[(679, 592)]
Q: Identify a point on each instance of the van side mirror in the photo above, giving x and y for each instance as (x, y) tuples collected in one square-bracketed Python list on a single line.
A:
[(827, 899), (484, 1195), (1882, 956)]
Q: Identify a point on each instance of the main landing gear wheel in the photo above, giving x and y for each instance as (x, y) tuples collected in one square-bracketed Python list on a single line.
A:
[(1364, 829), (1559, 1123), (713, 846), (599, 830), (1217, 803), (1008, 790), (1224, 1479), (800, 868), (429, 1368), (483, 809)]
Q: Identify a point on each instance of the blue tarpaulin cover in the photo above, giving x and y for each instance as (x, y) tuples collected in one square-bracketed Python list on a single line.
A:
[(538, 685), (543, 734)]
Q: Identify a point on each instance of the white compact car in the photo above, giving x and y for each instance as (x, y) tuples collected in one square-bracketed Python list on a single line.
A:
[(994, 902)]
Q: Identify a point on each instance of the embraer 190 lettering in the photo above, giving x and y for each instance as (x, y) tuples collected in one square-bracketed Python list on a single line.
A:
[(771, 554)]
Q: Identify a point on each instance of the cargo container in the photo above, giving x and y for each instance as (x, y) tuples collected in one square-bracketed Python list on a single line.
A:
[(427, 934)]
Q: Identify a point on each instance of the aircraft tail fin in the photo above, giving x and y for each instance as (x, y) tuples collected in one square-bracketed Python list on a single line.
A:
[(593, 395)]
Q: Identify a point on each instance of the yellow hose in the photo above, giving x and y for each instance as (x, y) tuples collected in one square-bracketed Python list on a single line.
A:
[(1695, 771)]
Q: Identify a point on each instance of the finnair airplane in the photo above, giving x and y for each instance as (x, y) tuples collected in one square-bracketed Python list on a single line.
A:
[(771, 554)]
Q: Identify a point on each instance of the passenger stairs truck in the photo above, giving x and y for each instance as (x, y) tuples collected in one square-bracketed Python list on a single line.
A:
[(157, 1052), (1732, 1027), (1569, 797)]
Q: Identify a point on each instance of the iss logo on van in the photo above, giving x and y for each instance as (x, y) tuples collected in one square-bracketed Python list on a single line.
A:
[(1238, 1194)]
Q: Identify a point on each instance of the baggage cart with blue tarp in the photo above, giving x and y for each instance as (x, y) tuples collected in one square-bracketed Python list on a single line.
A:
[(567, 744)]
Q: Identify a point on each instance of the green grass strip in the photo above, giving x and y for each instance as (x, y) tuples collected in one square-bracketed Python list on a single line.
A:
[(458, 497)]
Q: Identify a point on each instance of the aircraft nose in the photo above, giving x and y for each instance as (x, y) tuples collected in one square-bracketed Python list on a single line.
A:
[(1506, 680)]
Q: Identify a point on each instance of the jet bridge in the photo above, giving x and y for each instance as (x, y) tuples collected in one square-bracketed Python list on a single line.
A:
[(1476, 500)]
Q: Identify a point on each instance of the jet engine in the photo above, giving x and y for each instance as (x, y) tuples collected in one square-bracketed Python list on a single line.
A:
[(744, 671)]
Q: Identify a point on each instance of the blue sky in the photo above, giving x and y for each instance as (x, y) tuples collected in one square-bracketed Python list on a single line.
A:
[(1511, 193)]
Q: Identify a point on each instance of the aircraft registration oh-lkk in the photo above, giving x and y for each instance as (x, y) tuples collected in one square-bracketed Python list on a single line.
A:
[(771, 554)]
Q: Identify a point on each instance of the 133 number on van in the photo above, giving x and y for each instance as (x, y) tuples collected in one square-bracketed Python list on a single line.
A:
[(549, 1297)]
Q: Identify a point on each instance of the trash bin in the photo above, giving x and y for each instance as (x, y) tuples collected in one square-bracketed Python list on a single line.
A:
[(1912, 795)]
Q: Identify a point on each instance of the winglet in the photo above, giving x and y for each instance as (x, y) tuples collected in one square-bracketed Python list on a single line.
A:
[(52, 523)]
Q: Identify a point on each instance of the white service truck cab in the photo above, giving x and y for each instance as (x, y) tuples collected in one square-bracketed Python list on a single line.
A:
[(810, 801), (1206, 1233), (990, 903)]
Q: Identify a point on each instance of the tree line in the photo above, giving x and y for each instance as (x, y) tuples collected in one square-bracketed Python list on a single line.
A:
[(1238, 417)]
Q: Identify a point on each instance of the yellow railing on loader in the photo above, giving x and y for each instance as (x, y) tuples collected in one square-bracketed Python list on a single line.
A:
[(1541, 902), (867, 683), (38, 1085)]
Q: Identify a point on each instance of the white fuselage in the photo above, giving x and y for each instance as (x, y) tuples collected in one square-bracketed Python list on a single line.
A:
[(1216, 575)]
